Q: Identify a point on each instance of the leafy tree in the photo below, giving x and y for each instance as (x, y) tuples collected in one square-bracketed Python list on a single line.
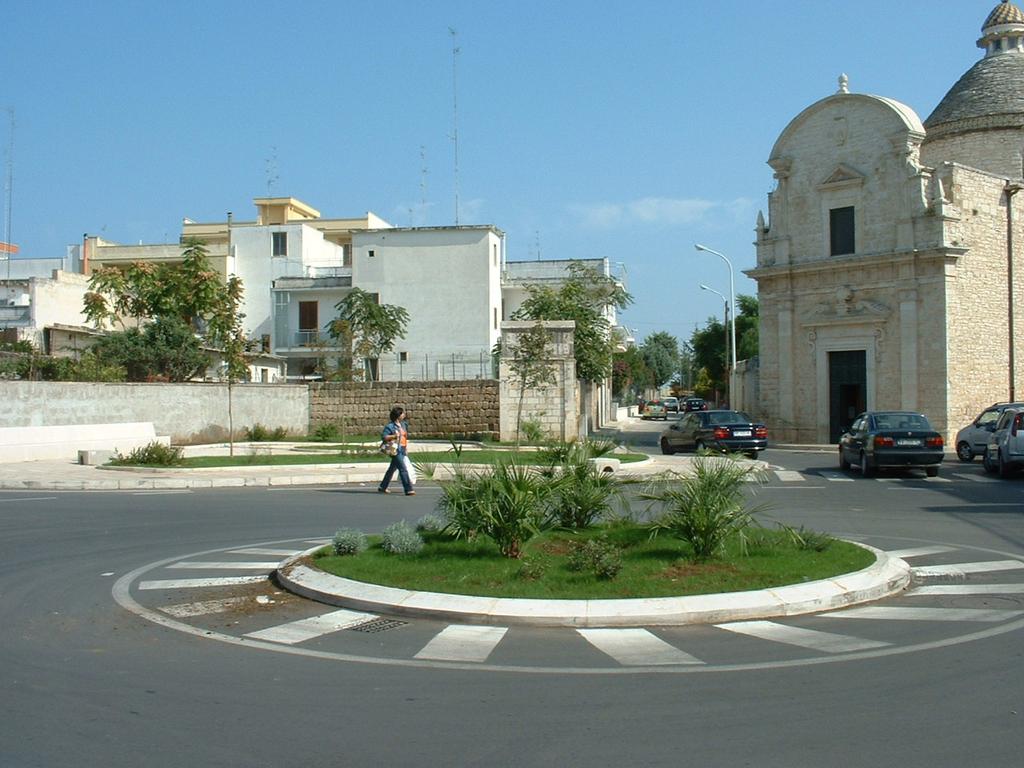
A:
[(661, 353), (584, 297), (528, 361), (630, 374), (368, 327), (709, 342), (747, 324), (164, 349)]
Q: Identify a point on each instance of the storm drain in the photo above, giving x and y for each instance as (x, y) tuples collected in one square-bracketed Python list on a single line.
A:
[(378, 625)]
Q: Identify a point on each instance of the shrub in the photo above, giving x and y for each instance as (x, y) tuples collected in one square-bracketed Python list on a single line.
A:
[(532, 431), (806, 540), (400, 539), (531, 570), (258, 433), (706, 508), (430, 524), (327, 432), (348, 541), (582, 494), (599, 556), (154, 454)]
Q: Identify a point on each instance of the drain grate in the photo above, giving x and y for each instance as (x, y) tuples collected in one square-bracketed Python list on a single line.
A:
[(378, 625)]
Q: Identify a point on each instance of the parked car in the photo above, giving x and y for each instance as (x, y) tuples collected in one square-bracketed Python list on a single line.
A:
[(654, 410), (1005, 450), (671, 404), (716, 431), (694, 404), (972, 440), (889, 440)]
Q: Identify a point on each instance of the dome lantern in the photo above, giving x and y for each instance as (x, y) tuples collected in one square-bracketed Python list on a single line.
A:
[(1003, 30)]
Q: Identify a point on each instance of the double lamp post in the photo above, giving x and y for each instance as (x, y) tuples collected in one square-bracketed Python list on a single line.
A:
[(730, 329)]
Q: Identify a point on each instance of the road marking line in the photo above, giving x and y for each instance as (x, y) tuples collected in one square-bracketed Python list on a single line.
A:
[(957, 569), (836, 477), (789, 475), (636, 647), (463, 643), (259, 551), (227, 581), (185, 610), (32, 498), (918, 551), (241, 566), (895, 613), (967, 589), (306, 629), (977, 478), (813, 639)]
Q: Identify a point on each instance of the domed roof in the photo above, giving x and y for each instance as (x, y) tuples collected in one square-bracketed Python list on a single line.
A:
[(993, 87), (1004, 13)]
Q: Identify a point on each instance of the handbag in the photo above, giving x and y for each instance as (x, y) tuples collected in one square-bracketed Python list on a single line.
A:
[(389, 448)]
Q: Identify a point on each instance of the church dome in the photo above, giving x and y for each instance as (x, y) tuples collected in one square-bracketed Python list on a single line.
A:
[(1004, 13), (992, 92)]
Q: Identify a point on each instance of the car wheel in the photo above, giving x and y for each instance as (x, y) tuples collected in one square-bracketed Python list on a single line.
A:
[(865, 468), (751, 454), (843, 463), (987, 464), (666, 449), (964, 452), (1005, 470), (931, 471)]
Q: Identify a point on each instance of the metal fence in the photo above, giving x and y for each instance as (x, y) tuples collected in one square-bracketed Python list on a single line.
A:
[(452, 366)]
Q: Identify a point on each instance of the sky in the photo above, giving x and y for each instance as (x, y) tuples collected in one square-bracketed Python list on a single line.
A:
[(583, 129)]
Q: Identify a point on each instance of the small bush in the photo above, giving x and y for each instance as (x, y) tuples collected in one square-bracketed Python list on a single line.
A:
[(532, 431), (531, 570), (430, 524), (154, 454), (806, 540), (258, 433), (400, 539), (327, 432), (599, 556), (348, 541)]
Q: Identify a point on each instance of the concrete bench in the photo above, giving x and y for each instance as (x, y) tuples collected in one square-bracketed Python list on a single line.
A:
[(66, 440)]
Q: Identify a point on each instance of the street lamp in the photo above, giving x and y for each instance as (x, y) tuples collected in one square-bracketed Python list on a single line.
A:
[(732, 328), (726, 300)]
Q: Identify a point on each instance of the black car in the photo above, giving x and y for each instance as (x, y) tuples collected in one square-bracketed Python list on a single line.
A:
[(694, 404), (890, 440), (715, 431)]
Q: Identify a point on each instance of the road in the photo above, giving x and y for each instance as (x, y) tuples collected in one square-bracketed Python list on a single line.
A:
[(91, 681)]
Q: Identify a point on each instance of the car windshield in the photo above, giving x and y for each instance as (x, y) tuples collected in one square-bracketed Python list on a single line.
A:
[(728, 417), (901, 421)]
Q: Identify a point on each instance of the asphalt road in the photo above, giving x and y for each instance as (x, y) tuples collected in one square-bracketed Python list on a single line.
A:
[(86, 682)]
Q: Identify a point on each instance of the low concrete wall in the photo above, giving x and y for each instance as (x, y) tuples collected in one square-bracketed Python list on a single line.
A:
[(435, 408), (188, 413)]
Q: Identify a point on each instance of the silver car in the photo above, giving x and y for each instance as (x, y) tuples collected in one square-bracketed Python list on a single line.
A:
[(1005, 450), (972, 440)]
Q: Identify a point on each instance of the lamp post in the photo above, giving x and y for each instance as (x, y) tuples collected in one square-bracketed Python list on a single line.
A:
[(732, 328), (726, 300)]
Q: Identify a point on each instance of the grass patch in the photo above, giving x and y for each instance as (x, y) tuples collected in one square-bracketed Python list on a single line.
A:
[(660, 567)]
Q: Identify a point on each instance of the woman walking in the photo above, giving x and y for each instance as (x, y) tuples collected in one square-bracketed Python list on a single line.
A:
[(396, 437)]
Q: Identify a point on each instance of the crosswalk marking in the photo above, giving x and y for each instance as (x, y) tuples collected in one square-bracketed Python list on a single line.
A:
[(896, 613), (956, 569), (837, 477), (240, 566), (227, 581), (262, 551), (813, 639), (789, 475), (633, 647), (967, 589), (463, 643), (205, 607), (918, 551), (977, 478), (306, 629)]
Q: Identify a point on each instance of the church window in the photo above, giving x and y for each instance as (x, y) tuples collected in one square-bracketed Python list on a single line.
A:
[(841, 231)]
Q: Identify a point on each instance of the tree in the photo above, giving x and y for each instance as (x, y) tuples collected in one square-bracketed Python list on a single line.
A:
[(584, 297), (709, 342), (630, 374), (528, 361), (165, 349), (368, 327), (661, 353)]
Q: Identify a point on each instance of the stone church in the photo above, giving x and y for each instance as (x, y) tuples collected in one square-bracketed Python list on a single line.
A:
[(887, 265)]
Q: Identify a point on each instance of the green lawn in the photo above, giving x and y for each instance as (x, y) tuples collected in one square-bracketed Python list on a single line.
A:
[(659, 567)]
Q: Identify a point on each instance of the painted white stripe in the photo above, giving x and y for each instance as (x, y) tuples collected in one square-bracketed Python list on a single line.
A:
[(837, 477), (956, 569), (636, 647), (967, 589), (977, 478), (240, 566), (306, 629), (895, 613), (789, 475), (463, 643), (918, 551), (227, 581), (33, 498), (271, 552), (185, 610), (826, 642)]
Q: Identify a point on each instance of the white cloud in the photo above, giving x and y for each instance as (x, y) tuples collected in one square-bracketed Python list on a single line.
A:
[(647, 210)]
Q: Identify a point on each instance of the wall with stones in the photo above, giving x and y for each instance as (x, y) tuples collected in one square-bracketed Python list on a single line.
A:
[(434, 408)]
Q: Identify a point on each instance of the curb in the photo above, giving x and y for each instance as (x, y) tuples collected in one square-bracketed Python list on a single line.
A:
[(886, 576)]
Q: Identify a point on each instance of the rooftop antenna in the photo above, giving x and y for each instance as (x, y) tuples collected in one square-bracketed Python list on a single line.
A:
[(423, 183), (536, 242), (9, 192), (455, 113), (270, 168)]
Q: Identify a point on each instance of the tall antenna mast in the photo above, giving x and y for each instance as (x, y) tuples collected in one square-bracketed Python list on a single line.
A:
[(455, 113), (9, 201), (271, 170), (423, 183)]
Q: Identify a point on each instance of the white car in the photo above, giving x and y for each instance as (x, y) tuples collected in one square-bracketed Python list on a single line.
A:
[(1005, 451)]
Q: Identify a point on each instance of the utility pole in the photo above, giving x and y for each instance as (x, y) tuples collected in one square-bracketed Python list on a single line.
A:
[(455, 114)]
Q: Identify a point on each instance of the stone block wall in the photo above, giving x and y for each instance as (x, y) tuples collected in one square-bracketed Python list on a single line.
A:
[(435, 408)]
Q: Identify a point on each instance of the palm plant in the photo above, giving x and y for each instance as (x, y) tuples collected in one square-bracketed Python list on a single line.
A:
[(581, 494)]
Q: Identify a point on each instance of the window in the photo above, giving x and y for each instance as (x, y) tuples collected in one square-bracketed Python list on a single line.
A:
[(403, 357), (307, 315), (496, 318), (279, 245), (371, 253), (841, 231)]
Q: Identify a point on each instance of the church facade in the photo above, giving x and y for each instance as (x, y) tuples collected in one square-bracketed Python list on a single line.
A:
[(885, 267)]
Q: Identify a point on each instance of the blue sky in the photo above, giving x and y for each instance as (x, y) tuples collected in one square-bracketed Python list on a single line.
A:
[(585, 129)]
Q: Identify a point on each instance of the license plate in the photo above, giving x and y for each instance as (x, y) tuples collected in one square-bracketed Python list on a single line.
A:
[(741, 433), (907, 441)]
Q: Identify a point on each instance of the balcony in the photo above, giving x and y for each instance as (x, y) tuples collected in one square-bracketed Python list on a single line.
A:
[(313, 338), (12, 315)]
